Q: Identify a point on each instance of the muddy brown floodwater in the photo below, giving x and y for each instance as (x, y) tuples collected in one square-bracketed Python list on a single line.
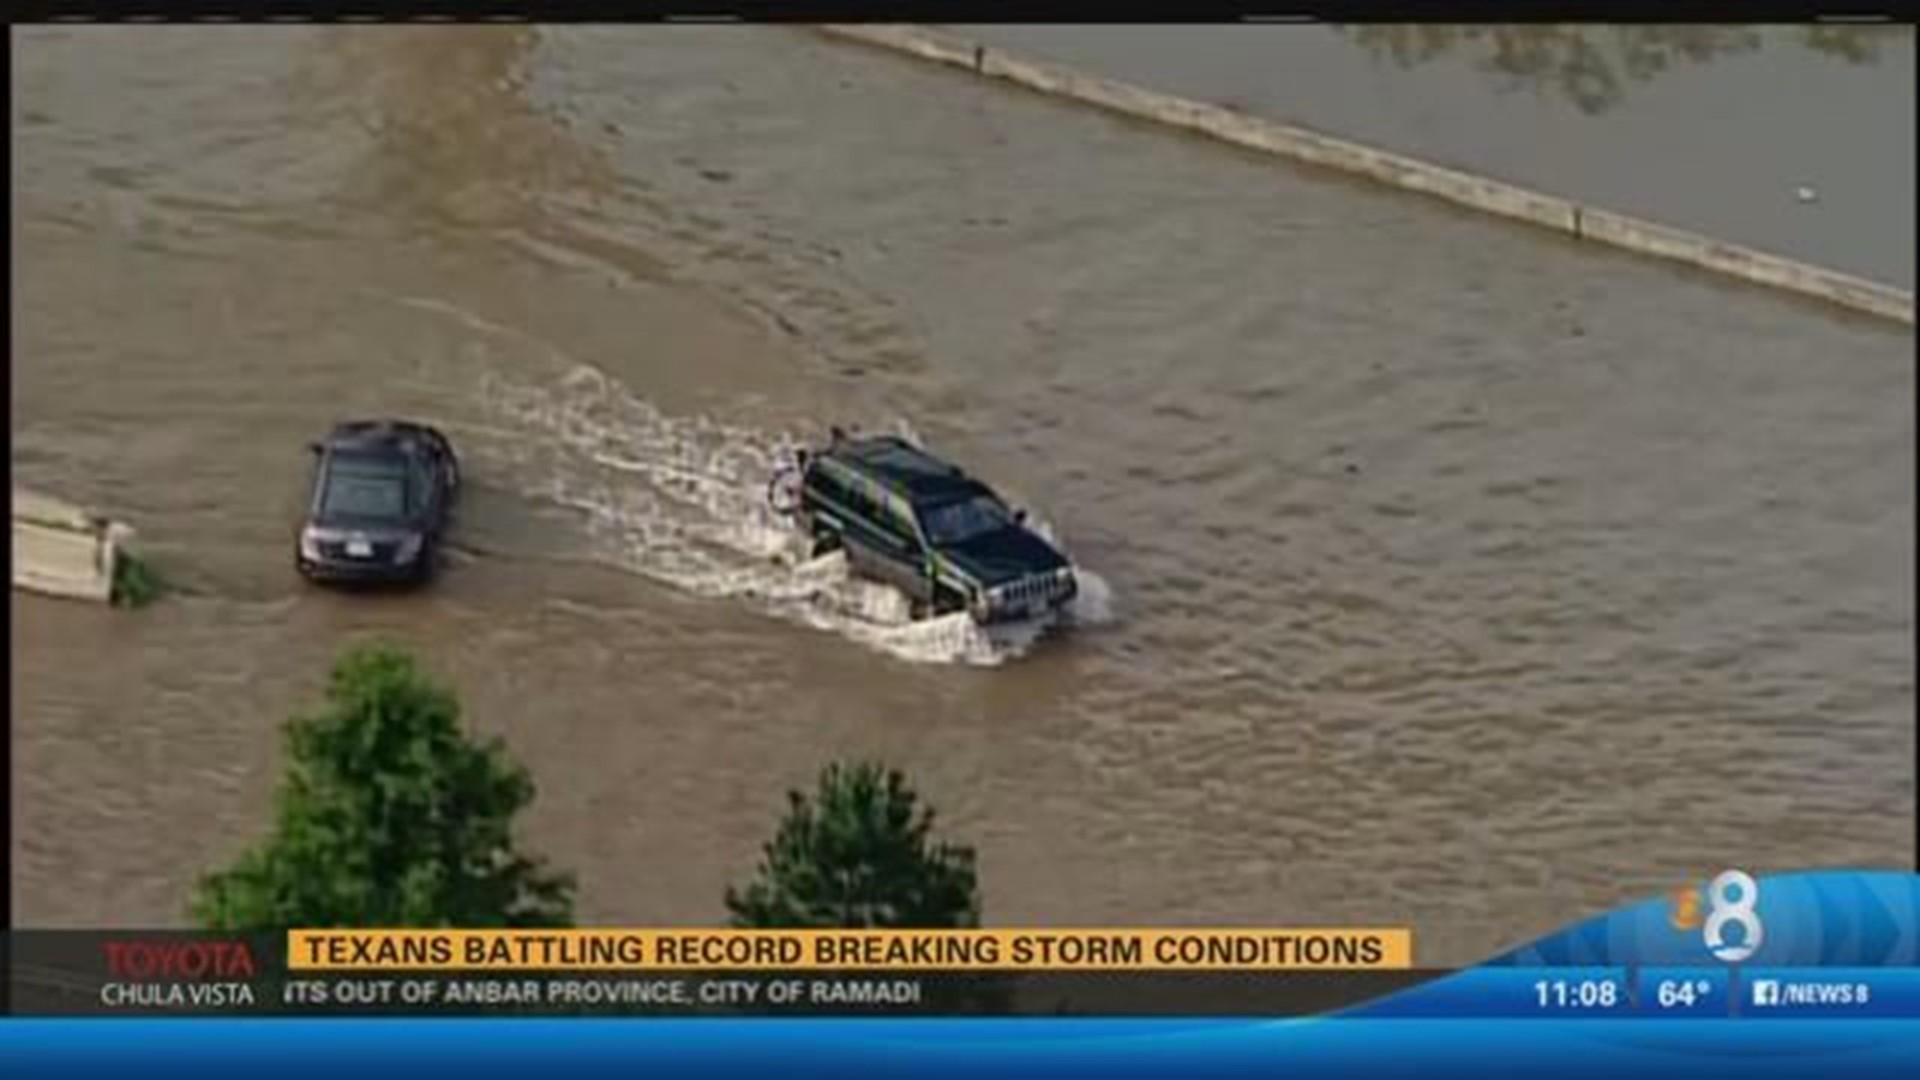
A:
[(1447, 574)]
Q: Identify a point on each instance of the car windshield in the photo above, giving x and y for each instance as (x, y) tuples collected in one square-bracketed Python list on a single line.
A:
[(364, 488), (958, 522)]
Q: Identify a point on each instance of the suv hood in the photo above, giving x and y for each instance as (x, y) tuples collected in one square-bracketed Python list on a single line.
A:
[(1003, 555)]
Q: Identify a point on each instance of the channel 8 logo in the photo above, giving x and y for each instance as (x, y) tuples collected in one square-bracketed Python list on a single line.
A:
[(1730, 904)]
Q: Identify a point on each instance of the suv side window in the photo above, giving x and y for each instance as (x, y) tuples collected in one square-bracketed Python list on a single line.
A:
[(859, 499), (879, 517), (826, 484), (893, 517)]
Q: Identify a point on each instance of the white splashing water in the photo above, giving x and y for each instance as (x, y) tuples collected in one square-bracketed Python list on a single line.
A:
[(684, 501)]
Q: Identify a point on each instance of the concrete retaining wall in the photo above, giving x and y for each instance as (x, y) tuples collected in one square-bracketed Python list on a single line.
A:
[(61, 550), (1465, 189)]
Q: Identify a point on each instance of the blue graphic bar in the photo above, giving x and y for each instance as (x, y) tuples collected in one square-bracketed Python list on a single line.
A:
[(1690, 992), (1565, 1049), (1562, 993), (1828, 918)]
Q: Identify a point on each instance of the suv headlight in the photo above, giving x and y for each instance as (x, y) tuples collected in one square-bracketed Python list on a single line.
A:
[(309, 543), (408, 549)]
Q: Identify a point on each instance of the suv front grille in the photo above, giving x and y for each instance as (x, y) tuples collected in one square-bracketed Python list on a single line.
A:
[(1035, 591)]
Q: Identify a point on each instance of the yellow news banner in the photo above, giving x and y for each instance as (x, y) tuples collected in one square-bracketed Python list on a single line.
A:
[(839, 950)]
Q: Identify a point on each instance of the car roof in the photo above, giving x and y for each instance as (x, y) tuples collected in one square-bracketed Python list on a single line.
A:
[(905, 467), (376, 437)]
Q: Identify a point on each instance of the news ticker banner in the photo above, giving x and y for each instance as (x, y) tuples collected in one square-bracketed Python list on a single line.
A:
[(1117, 972), (1813, 945)]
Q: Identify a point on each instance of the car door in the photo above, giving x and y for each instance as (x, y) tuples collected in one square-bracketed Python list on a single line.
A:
[(445, 481), (902, 560), (877, 546), (424, 473), (445, 461), (860, 532)]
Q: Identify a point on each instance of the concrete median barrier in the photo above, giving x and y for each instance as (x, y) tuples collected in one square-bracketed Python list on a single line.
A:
[(62, 550), (1458, 187)]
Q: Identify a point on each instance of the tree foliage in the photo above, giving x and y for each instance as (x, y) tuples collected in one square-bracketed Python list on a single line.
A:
[(858, 853), (389, 815)]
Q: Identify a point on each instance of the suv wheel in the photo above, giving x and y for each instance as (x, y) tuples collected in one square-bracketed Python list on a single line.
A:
[(946, 601)]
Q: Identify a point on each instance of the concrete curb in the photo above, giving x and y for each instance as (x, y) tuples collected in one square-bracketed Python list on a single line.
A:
[(61, 550), (1465, 189)]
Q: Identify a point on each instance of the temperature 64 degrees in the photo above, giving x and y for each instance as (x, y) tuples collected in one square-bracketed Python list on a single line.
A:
[(1682, 993)]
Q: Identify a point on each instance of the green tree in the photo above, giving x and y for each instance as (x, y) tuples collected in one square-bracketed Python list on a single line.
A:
[(858, 854), (389, 815)]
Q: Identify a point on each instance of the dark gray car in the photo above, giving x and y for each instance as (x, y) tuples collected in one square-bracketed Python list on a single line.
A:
[(382, 493)]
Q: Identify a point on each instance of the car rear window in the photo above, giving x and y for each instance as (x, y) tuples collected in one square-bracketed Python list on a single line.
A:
[(363, 488)]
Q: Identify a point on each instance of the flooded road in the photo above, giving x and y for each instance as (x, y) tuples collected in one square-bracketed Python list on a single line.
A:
[(1710, 128), (1453, 575)]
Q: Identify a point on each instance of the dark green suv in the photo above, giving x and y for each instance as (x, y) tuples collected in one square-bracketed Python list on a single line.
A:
[(907, 519)]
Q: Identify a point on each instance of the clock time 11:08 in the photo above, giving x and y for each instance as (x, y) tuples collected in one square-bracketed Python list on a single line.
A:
[(1576, 994)]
